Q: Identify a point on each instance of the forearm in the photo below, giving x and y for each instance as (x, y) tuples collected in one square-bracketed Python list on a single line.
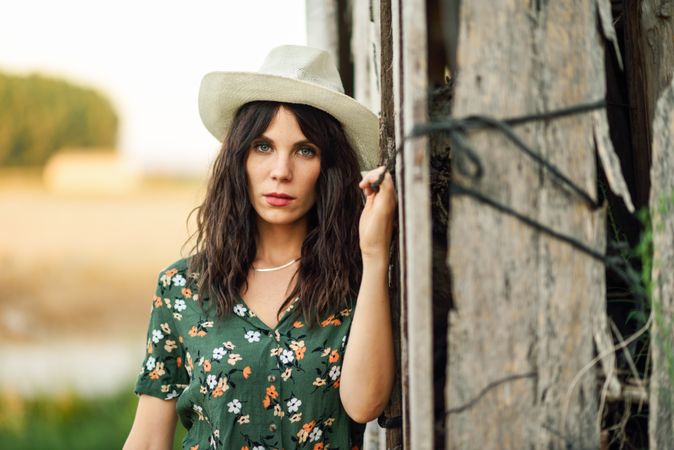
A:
[(368, 366)]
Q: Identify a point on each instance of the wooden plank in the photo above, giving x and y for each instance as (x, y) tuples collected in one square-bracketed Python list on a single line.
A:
[(394, 438), (398, 121), (661, 408), (321, 22), (417, 218), (521, 328)]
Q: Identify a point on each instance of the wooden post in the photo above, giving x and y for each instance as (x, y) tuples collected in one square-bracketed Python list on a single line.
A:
[(417, 227), (521, 327), (661, 406), (387, 139)]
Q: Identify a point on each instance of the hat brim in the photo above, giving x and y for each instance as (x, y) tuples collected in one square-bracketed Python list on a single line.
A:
[(222, 93)]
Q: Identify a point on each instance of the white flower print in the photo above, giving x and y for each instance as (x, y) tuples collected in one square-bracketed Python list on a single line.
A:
[(315, 434), (179, 280), (173, 394), (228, 345), (240, 310), (150, 363), (334, 372), (244, 419), (157, 336), (258, 447), (179, 305), (296, 417), (212, 381), (218, 353), (177, 316), (287, 356), (252, 336), (234, 406), (294, 404), (165, 328)]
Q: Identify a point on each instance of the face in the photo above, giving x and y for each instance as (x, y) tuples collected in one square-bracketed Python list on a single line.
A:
[(282, 167)]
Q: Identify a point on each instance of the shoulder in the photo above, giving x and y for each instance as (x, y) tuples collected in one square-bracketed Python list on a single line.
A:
[(178, 275)]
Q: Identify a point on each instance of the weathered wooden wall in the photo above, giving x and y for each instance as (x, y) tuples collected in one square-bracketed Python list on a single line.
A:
[(523, 301), (661, 414)]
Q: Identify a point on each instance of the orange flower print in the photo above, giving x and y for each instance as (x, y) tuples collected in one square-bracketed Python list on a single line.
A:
[(246, 371), (336, 384), (327, 321), (331, 320), (309, 426), (187, 292), (271, 391), (157, 302), (194, 447), (245, 447), (193, 331), (297, 324), (318, 446), (206, 365), (179, 362), (334, 356), (266, 402)]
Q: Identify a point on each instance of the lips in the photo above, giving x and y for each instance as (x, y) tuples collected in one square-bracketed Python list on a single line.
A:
[(278, 199)]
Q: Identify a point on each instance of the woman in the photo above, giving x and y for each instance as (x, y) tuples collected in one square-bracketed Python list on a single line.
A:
[(276, 332)]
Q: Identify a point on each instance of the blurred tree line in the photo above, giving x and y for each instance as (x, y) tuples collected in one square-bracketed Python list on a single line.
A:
[(40, 115)]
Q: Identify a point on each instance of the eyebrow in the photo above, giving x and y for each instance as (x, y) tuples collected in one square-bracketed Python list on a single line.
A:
[(304, 141)]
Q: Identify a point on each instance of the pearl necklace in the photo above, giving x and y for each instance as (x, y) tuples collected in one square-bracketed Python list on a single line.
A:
[(271, 269)]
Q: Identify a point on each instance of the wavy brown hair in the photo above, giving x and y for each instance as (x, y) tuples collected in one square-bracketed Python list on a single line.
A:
[(330, 268)]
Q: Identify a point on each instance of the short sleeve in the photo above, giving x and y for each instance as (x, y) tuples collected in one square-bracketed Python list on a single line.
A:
[(163, 373)]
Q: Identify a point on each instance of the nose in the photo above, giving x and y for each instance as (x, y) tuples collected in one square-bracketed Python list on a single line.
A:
[(282, 167)]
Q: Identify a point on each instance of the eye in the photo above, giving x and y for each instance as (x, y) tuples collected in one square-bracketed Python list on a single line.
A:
[(262, 146), (307, 151)]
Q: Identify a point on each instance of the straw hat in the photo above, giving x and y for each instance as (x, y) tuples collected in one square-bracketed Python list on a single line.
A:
[(291, 74)]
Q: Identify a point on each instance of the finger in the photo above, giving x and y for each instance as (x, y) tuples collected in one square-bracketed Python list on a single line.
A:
[(372, 175)]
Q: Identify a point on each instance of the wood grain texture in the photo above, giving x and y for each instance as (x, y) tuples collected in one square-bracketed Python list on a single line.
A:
[(524, 302), (417, 220), (649, 65), (661, 412)]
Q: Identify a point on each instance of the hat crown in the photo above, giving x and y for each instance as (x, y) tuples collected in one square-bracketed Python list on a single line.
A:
[(304, 64)]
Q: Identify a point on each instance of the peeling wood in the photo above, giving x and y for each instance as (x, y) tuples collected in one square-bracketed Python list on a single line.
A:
[(609, 160), (606, 20)]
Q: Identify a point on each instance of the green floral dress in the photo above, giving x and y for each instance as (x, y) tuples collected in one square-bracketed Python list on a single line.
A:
[(239, 384)]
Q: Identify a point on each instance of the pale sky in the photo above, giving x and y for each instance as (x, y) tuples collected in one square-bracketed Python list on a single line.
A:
[(148, 57)]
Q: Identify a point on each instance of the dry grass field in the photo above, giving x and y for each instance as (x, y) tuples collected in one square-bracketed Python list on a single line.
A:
[(84, 266)]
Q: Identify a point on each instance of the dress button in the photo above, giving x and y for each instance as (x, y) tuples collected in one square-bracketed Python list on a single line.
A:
[(272, 427), (271, 378)]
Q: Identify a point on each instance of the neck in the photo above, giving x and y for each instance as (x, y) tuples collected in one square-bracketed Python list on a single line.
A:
[(278, 244)]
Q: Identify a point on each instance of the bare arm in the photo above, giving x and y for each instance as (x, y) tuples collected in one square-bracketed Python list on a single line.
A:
[(368, 366), (154, 425)]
